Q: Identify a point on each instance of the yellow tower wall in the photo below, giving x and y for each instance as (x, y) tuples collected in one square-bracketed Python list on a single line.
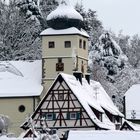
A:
[(73, 57)]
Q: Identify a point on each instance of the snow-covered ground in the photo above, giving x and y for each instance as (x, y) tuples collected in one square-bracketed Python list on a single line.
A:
[(104, 135), (7, 138)]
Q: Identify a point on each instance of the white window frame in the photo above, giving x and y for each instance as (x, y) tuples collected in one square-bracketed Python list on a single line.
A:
[(73, 113), (48, 117), (67, 44)]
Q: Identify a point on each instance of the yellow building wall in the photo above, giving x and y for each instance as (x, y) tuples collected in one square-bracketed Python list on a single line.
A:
[(10, 107), (59, 49)]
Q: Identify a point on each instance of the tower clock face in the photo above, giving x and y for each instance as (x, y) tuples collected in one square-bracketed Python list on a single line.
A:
[(59, 66)]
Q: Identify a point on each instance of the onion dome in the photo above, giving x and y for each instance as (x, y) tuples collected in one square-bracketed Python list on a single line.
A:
[(65, 16)]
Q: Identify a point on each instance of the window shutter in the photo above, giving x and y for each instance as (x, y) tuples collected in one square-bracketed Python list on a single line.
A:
[(78, 115), (68, 116), (54, 116)]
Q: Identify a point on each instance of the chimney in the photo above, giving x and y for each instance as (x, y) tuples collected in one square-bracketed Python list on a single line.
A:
[(87, 77), (78, 76)]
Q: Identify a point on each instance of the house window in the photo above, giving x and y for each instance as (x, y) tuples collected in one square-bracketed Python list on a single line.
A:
[(51, 44), (21, 108), (61, 96), (84, 45), (67, 44), (73, 116), (80, 43), (59, 65), (50, 116)]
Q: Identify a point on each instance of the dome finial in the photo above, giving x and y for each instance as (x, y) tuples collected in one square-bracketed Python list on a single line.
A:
[(65, 2)]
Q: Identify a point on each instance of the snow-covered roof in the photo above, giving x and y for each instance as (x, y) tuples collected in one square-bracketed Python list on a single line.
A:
[(95, 93), (65, 9), (20, 78), (134, 126), (104, 135), (89, 95), (68, 31), (103, 98), (134, 89), (132, 102)]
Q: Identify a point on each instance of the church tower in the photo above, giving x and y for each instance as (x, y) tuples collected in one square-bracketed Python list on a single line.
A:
[(64, 44)]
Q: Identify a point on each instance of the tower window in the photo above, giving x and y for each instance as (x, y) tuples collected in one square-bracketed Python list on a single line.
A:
[(80, 43), (51, 44), (67, 44), (84, 44), (59, 65)]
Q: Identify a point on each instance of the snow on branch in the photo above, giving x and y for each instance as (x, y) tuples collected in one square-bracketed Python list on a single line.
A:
[(108, 54)]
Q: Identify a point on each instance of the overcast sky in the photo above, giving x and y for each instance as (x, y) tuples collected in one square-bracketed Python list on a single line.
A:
[(116, 14)]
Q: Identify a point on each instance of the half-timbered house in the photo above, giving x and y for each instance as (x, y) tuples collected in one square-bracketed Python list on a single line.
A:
[(72, 102)]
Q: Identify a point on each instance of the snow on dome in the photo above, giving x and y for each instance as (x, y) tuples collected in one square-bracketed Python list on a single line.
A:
[(65, 9), (64, 16)]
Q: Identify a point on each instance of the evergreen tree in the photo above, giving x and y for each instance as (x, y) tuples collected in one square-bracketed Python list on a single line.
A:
[(134, 48), (108, 54), (46, 6), (18, 35), (20, 25)]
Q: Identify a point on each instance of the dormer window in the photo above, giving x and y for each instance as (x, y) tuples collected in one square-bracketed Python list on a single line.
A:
[(67, 44), (97, 113), (51, 44)]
